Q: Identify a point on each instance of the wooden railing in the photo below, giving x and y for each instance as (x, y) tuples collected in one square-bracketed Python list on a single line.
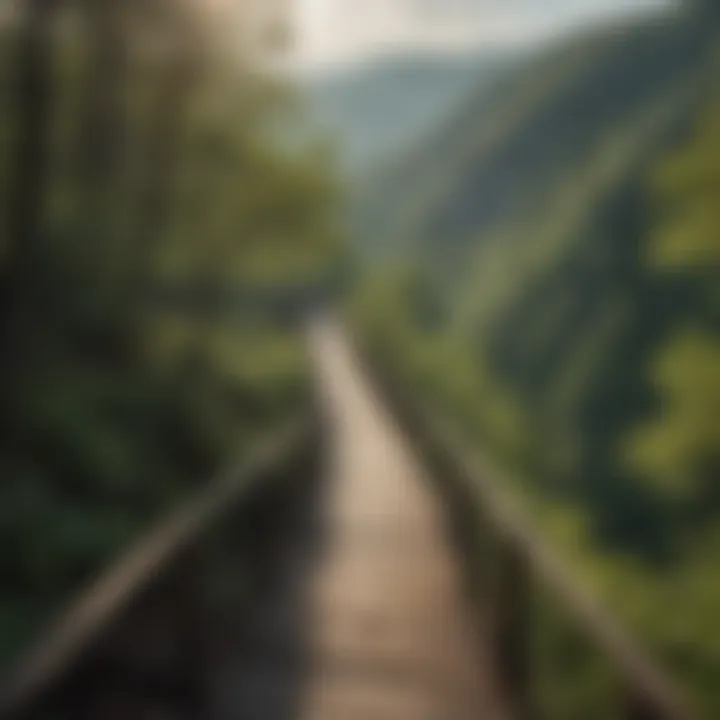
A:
[(511, 565), (136, 642), (139, 639)]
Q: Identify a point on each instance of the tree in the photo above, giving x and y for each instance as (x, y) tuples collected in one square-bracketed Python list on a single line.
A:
[(145, 173), (678, 449)]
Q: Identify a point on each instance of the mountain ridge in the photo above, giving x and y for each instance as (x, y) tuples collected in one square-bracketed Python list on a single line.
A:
[(381, 108)]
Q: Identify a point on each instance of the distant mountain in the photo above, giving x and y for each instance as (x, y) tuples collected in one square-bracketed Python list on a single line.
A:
[(378, 110), (505, 149)]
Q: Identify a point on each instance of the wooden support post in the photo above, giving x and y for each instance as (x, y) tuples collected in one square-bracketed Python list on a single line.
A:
[(640, 707), (511, 630), (192, 628)]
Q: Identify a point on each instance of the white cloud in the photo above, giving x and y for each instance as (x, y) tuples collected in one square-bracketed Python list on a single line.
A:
[(337, 31)]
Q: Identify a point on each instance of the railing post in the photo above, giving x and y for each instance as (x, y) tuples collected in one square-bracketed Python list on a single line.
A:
[(638, 706), (192, 628), (510, 618)]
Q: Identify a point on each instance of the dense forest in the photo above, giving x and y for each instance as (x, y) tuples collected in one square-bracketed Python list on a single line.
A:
[(546, 270), (153, 220)]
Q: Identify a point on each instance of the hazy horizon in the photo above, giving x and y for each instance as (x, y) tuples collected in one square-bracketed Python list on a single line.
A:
[(333, 34)]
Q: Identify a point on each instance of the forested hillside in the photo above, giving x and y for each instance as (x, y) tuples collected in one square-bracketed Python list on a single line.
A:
[(555, 291), (504, 154), (137, 175)]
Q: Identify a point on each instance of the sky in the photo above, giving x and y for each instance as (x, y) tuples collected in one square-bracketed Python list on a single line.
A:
[(334, 32)]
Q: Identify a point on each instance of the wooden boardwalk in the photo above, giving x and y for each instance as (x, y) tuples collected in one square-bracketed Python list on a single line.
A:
[(394, 637), (374, 624), (334, 593)]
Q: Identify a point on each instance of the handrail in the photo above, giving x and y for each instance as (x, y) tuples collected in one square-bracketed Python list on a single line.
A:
[(95, 609), (527, 563), (651, 693)]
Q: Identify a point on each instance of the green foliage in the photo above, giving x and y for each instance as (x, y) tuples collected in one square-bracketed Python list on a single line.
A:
[(147, 347), (686, 189), (677, 453), (570, 679)]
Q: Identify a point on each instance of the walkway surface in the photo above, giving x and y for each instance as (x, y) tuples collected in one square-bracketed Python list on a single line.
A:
[(380, 611), (394, 635)]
